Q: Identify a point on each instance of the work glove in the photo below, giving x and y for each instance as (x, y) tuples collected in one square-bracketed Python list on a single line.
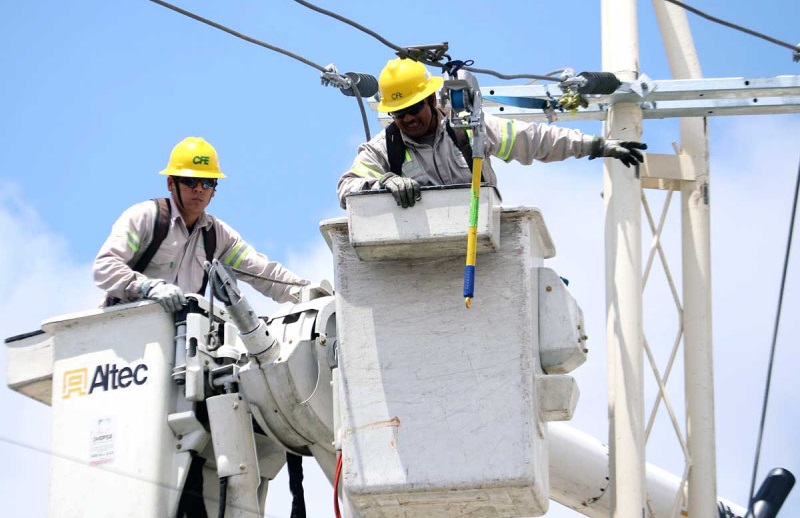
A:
[(405, 190), (168, 295), (627, 151)]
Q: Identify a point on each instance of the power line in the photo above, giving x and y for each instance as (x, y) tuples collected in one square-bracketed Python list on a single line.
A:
[(239, 34), (128, 475), (770, 39), (774, 340), (404, 52), (434, 59), (426, 58), (329, 74), (401, 51), (352, 24)]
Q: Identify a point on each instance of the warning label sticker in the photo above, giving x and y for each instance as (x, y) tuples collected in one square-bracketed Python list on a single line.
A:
[(101, 445)]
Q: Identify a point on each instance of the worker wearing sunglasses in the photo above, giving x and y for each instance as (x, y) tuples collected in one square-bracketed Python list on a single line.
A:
[(191, 183), (157, 250), (420, 147)]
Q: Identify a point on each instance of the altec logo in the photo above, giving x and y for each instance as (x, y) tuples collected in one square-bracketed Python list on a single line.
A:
[(106, 377)]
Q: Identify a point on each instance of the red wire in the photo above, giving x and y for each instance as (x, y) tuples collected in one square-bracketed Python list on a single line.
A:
[(336, 485)]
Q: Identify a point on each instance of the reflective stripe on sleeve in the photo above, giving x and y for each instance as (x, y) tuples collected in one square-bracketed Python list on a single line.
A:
[(507, 137), (237, 255), (364, 171), (133, 241)]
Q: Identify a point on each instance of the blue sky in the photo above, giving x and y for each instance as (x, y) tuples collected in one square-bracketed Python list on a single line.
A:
[(95, 94)]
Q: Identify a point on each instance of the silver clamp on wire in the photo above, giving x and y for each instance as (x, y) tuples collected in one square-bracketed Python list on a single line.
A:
[(427, 54), (351, 84), (332, 77)]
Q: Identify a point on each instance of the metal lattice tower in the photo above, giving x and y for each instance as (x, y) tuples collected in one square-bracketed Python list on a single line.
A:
[(691, 98)]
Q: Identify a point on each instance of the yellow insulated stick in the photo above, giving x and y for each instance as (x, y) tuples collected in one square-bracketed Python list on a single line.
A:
[(472, 233)]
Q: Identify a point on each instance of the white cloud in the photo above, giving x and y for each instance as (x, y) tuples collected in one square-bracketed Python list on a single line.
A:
[(39, 280), (314, 261), (38, 276)]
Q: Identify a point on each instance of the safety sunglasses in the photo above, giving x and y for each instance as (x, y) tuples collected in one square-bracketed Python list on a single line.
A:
[(411, 110), (191, 183)]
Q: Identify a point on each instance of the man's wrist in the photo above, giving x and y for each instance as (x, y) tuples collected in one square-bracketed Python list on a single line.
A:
[(384, 178), (597, 147), (149, 284)]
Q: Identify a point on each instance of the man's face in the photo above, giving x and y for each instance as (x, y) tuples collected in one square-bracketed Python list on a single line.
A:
[(415, 121), (194, 194)]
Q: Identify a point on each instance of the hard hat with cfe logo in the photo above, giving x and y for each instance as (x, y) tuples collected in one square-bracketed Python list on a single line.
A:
[(195, 158), (403, 83)]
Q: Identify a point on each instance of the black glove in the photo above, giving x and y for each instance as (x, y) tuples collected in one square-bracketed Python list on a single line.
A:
[(627, 151), (405, 190)]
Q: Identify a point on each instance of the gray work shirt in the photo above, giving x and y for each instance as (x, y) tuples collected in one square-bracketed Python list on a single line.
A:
[(180, 258), (442, 163)]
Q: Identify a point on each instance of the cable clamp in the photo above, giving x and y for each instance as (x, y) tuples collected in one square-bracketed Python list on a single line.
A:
[(427, 54), (332, 77)]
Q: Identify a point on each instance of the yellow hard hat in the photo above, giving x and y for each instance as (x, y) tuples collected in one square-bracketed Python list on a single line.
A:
[(405, 82), (195, 158)]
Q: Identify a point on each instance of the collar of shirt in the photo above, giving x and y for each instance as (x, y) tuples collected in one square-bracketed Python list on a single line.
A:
[(204, 221)]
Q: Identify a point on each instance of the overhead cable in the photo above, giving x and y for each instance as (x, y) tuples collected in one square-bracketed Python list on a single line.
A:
[(348, 83), (351, 23), (406, 53), (698, 12), (80, 462), (238, 34), (774, 340)]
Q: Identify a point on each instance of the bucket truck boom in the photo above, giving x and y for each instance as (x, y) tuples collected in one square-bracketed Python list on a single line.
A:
[(434, 410)]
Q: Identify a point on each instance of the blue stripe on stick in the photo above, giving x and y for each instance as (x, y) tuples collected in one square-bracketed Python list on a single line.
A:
[(469, 281)]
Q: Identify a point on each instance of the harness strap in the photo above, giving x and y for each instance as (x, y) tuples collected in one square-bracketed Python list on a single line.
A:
[(396, 147), (210, 245), (160, 229)]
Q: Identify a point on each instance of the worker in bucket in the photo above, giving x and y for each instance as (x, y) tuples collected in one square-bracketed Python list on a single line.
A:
[(157, 248), (420, 148)]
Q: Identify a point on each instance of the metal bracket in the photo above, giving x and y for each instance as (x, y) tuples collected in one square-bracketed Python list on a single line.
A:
[(668, 172), (660, 99), (189, 432)]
